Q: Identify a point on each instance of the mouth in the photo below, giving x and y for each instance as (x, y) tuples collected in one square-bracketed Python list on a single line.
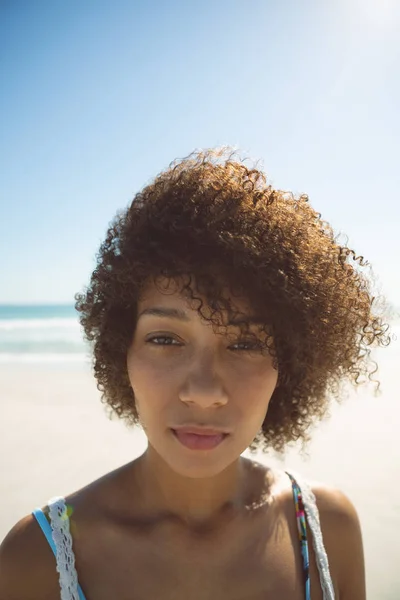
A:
[(199, 439), (199, 430)]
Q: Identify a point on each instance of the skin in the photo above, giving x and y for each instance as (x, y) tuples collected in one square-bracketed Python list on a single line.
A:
[(182, 372), (177, 523)]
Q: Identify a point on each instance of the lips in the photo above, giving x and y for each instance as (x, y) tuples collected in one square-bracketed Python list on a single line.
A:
[(200, 430), (198, 438)]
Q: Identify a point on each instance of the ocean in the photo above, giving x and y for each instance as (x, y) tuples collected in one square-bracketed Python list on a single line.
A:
[(41, 333)]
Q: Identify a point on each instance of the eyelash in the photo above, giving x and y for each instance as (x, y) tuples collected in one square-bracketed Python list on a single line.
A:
[(257, 346)]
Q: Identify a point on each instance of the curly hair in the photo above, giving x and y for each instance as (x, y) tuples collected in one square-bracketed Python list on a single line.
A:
[(212, 220)]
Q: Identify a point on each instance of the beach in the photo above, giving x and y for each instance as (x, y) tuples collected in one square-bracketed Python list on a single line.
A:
[(56, 437)]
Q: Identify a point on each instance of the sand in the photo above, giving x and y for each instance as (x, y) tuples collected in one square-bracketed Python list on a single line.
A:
[(55, 437)]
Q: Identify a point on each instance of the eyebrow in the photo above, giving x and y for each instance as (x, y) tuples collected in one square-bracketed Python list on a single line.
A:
[(176, 313), (158, 311)]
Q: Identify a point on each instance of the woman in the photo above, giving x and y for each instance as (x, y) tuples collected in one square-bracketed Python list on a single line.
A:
[(223, 314)]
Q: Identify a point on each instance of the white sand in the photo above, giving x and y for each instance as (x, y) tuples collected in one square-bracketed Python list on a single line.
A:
[(55, 437)]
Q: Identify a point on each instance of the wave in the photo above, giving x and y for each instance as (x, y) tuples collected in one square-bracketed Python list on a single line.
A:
[(45, 336), (7, 358), (48, 323)]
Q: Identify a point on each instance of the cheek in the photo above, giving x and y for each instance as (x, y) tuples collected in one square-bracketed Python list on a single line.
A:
[(150, 384), (252, 394), (258, 380)]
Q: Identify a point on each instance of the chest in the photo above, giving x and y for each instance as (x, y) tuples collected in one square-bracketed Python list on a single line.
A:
[(255, 564)]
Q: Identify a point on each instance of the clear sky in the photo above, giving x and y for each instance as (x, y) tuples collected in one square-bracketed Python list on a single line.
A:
[(98, 97)]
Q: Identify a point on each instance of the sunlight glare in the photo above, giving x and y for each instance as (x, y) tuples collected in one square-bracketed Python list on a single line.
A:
[(379, 13)]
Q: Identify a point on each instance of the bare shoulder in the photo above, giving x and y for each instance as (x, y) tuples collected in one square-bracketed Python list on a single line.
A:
[(342, 536), (27, 564), (28, 569)]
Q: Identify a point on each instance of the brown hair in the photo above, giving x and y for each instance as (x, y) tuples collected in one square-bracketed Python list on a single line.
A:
[(210, 219)]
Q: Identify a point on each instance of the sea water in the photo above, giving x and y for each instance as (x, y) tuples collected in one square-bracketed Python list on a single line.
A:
[(41, 333)]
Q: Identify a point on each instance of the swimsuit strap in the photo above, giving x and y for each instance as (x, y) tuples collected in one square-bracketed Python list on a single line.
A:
[(59, 538), (306, 505)]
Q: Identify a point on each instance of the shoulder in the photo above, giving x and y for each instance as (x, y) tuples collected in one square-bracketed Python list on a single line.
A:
[(334, 507), (341, 534), (332, 503), (342, 537), (336, 511), (27, 564)]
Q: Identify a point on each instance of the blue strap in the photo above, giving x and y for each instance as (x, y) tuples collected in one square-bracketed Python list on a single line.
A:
[(46, 528)]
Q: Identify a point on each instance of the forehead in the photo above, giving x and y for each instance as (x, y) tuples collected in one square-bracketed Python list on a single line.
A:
[(167, 292)]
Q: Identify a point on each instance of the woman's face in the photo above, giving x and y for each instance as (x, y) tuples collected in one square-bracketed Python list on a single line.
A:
[(185, 374)]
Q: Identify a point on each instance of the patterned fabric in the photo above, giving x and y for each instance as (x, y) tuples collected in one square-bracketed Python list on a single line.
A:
[(58, 535), (309, 504), (65, 555), (60, 540), (301, 527)]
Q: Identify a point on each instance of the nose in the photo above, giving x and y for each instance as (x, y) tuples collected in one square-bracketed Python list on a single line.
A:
[(203, 386)]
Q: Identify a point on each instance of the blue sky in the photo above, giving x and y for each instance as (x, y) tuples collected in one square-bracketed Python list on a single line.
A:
[(98, 97)]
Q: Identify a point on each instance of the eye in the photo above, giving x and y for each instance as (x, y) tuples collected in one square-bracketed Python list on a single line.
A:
[(162, 340), (248, 345)]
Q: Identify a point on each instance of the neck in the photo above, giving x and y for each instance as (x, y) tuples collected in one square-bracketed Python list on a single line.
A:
[(192, 501)]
